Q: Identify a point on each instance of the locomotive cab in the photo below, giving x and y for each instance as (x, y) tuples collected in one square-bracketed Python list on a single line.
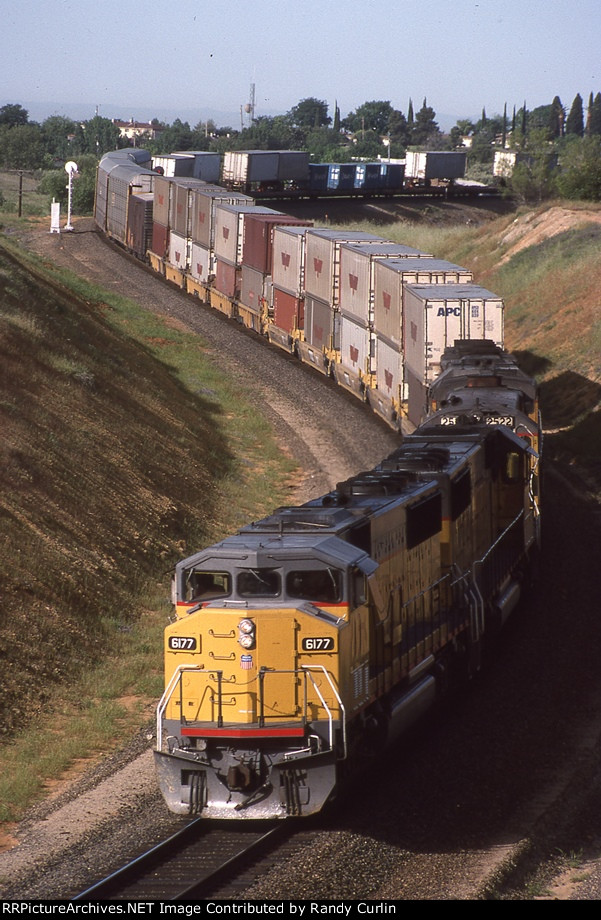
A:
[(257, 671)]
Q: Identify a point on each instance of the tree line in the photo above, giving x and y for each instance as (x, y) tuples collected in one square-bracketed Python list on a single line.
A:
[(558, 150)]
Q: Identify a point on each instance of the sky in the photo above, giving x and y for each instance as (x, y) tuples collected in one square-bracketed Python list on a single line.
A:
[(199, 59)]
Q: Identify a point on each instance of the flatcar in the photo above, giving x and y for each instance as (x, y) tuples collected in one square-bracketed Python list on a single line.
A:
[(307, 642)]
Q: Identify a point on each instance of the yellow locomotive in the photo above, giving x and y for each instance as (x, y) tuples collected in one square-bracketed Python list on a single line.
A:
[(308, 641)]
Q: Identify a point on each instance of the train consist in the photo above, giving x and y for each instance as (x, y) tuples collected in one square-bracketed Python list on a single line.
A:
[(374, 314), (308, 641)]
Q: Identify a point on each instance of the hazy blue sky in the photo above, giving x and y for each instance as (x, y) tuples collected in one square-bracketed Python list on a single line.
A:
[(198, 58)]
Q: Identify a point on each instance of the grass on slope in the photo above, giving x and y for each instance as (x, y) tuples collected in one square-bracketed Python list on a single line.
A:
[(123, 448)]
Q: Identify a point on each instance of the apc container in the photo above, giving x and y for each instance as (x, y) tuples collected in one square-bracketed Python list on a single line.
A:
[(322, 260), (229, 229), (435, 164), (288, 263), (437, 315), (201, 262), (357, 273), (390, 279), (258, 234), (204, 201)]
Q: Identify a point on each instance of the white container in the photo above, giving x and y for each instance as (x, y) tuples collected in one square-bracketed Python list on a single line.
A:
[(179, 251), (288, 264), (355, 347), (322, 260), (357, 273), (201, 262), (435, 316), (390, 279), (229, 230)]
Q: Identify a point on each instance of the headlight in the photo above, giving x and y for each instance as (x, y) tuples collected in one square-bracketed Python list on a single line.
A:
[(246, 633)]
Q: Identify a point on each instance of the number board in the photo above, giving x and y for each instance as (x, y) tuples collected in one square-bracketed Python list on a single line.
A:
[(317, 644)]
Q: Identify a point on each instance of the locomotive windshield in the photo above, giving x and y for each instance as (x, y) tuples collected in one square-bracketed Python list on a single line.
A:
[(321, 585), (208, 585), (259, 583)]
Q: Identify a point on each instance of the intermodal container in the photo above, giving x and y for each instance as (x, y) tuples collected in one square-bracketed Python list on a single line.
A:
[(258, 235), (201, 262), (139, 223), (229, 229), (390, 279), (204, 201), (179, 250), (253, 288), (288, 264), (160, 239), (227, 279), (357, 273), (322, 324), (322, 260), (435, 316), (180, 206), (206, 165), (288, 311)]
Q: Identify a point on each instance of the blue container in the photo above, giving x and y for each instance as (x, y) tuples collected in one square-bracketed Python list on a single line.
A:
[(318, 176)]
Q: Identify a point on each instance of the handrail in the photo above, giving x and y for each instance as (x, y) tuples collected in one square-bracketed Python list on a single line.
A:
[(167, 694), (320, 667), (263, 672)]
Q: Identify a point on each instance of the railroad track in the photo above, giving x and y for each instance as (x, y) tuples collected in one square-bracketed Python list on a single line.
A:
[(193, 863)]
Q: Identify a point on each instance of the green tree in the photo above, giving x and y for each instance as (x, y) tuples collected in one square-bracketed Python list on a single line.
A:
[(556, 118), (97, 136), (13, 115), (310, 113), (425, 130), (54, 184), (21, 147), (595, 122), (534, 178), (580, 175), (575, 120), (371, 116), (59, 133)]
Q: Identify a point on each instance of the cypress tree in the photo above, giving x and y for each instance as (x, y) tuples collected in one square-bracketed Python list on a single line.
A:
[(556, 118), (595, 128), (589, 115), (575, 120)]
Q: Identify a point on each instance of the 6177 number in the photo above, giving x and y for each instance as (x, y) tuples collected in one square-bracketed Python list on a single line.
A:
[(318, 644)]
